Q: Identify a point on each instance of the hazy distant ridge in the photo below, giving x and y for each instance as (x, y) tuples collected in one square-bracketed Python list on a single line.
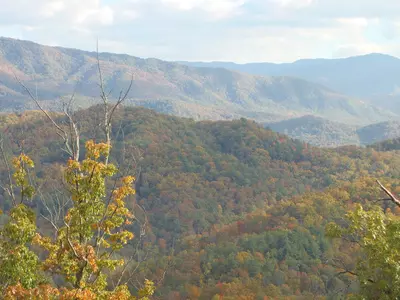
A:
[(201, 93)]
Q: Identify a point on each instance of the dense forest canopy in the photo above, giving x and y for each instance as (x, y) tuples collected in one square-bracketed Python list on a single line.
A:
[(231, 210)]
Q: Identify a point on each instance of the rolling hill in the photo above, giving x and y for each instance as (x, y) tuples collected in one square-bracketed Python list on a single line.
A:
[(200, 93)]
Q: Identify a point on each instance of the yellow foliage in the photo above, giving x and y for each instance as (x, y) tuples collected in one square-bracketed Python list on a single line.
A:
[(243, 256), (93, 230)]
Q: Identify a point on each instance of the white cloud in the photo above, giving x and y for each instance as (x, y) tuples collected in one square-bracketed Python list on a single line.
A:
[(96, 16), (239, 30), (355, 8), (216, 8), (356, 22), (183, 5), (51, 8), (293, 3), (129, 14), (59, 12)]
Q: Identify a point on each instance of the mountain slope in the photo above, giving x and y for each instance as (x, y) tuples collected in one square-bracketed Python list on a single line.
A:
[(201, 93), (234, 210), (361, 76), (379, 132), (387, 145), (317, 131)]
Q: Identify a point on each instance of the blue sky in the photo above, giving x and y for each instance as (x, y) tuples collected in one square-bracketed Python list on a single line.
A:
[(205, 30)]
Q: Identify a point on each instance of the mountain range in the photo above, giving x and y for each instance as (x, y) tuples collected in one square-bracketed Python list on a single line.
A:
[(223, 209), (341, 93), (367, 76)]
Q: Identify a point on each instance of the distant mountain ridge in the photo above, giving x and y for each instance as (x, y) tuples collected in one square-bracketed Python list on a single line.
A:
[(321, 132), (364, 76), (200, 93)]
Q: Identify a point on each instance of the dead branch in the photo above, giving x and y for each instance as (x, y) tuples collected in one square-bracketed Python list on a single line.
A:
[(60, 131), (55, 210), (10, 189), (353, 274), (74, 131), (392, 197), (109, 113), (69, 241)]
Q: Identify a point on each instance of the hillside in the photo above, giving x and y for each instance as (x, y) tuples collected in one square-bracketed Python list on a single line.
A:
[(387, 145), (379, 132), (200, 93), (317, 131), (365, 76), (325, 133), (235, 209), (390, 102)]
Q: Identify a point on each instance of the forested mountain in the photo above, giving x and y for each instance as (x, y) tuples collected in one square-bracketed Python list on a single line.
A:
[(373, 75), (201, 93), (234, 210), (223, 209)]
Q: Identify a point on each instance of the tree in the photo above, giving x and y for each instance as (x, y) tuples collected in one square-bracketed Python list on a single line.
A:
[(78, 259), (377, 234), (82, 252), (18, 264)]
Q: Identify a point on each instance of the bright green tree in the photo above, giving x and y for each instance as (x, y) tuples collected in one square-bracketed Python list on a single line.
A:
[(378, 235), (19, 264)]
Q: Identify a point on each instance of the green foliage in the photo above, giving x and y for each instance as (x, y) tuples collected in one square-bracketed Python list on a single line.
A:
[(18, 263), (93, 229), (377, 234)]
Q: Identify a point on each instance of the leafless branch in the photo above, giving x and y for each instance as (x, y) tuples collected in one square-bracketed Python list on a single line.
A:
[(60, 131), (55, 210), (121, 99), (50, 221), (392, 197), (10, 188), (69, 241), (74, 130), (352, 273), (170, 264), (109, 113)]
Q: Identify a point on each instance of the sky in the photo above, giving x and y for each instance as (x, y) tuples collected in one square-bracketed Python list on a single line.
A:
[(210, 30)]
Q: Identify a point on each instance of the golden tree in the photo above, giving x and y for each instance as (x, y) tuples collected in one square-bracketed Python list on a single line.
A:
[(82, 253)]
